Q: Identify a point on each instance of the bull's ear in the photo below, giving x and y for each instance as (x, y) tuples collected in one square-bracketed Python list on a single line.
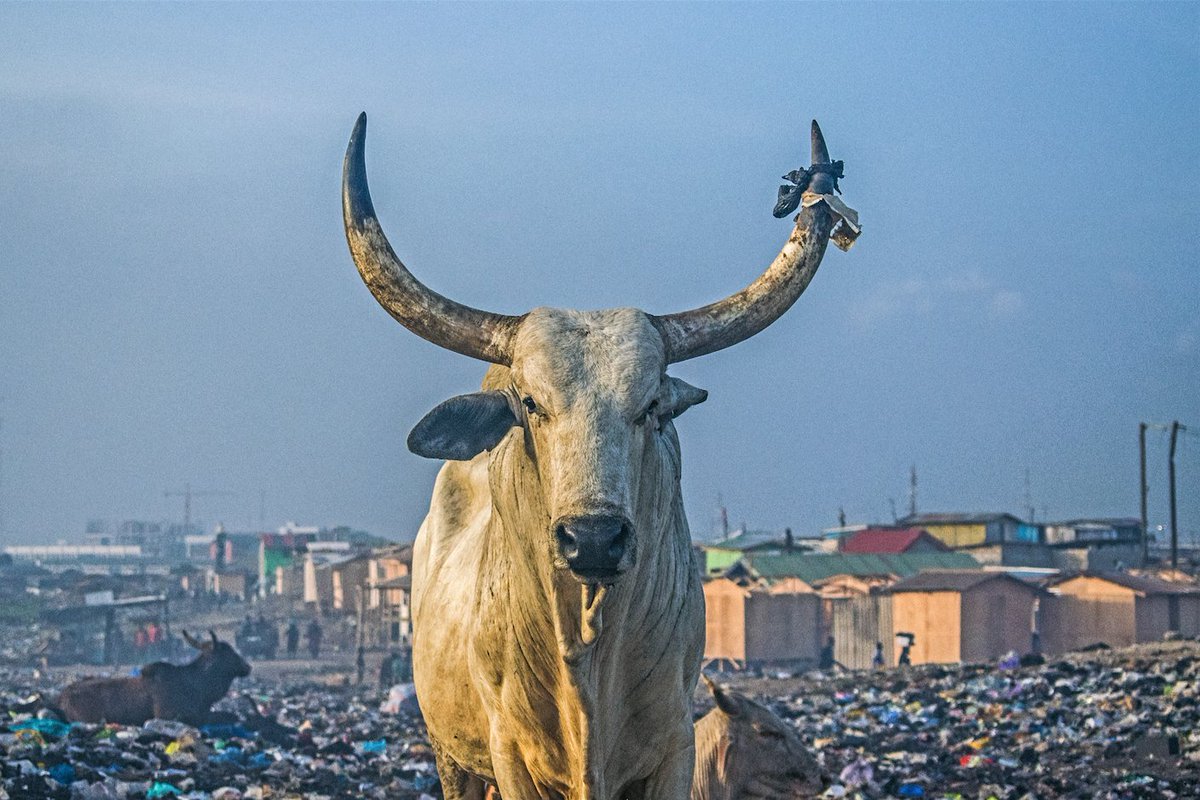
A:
[(463, 427), (682, 396), (726, 701)]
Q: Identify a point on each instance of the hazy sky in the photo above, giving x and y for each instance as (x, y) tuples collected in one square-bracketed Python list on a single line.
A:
[(177, 303)]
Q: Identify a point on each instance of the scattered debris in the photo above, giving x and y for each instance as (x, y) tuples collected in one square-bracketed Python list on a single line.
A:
[(1111, 724)]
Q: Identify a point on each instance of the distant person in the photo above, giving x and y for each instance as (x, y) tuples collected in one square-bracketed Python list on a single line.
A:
[(313, 634), (360, 665), (826, 660), (387, 672), (402, 667), (877, 661), (270, 634), (293, 638), (906, 654)]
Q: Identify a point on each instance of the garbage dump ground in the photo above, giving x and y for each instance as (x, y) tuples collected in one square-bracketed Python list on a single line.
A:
[(1104, 724)]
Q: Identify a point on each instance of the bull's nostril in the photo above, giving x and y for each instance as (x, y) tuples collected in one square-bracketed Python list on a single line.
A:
[(616, 550), (568, 545)]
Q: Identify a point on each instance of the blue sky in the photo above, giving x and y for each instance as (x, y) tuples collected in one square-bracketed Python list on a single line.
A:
[(177, 304)]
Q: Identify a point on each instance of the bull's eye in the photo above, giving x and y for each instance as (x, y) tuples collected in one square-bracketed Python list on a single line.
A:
[(768, 733), (649, 413), (530, 406)]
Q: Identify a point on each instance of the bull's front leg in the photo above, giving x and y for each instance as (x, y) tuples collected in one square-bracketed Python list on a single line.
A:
[(457, 783)]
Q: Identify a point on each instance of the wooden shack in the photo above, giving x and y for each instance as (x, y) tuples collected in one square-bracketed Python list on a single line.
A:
[(754, 626), (1117, 609), (965, 615)]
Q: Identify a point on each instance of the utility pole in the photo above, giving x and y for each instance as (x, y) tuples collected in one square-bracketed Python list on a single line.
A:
[(1144, 489), (1028, 497), (1175, 429), (2, 530)]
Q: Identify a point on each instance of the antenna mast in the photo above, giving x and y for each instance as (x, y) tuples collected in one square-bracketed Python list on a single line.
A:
[(912, 491)]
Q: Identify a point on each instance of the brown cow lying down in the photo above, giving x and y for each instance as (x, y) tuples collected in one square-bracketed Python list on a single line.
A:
[(745, 752), (166, 691)]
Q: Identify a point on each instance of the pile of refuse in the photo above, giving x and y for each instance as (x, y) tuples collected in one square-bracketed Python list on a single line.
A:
[(306, 741), (1109, 724)]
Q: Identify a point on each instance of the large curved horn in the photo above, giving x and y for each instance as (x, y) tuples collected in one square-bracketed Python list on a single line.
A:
[(466, 330), (192, 640), (714, 327)]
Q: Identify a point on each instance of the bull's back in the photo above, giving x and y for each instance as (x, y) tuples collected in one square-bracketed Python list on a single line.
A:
[(124, 701)]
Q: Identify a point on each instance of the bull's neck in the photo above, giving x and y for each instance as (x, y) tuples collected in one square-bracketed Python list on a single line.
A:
[(545, 608)]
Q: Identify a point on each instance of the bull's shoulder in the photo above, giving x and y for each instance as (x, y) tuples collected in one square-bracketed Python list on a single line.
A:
[(461, 492), (461, 503)]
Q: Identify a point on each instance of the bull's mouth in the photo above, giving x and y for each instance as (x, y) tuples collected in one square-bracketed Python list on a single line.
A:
[(591, 620), (596, 577)]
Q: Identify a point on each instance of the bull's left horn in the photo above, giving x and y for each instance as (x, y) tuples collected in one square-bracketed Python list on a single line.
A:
[(187, 637), (466, 330), (724, 323)]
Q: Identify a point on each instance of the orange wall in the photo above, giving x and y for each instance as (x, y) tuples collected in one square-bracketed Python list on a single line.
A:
[(935, 618), (724, 620)]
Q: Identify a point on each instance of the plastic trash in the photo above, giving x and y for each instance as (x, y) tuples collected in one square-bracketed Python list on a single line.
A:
[(374, 747), (48, 728)]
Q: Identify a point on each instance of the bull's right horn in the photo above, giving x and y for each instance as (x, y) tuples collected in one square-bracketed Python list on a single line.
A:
[(187, 637), (466, 330), (722, 324)]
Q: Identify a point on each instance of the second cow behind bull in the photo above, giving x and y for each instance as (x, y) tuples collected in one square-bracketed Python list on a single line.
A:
[(164, 691)]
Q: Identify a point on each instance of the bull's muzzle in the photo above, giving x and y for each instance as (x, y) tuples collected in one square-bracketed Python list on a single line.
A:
[(597, 548)]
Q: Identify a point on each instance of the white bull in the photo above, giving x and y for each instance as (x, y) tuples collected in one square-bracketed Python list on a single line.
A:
[(558, 614)]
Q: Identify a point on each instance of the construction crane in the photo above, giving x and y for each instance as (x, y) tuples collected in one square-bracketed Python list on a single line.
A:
[(187, 494)]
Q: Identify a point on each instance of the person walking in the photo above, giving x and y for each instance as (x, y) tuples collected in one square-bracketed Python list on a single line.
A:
[(293, 638), (313, 635), (877, 661), (387, 672), (826, 659)]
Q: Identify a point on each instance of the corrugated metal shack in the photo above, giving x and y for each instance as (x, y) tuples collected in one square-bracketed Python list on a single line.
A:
[(965, 615), (754, 626), (858, 613), (1116, 608)]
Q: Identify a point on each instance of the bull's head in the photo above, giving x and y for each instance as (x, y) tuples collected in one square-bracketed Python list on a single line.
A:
[(218, 658), (588, 389)]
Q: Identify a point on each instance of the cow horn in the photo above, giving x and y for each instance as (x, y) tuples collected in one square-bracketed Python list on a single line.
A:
[(466, 330), (722, 324), (820, 153), (213, 634), (187, 637)]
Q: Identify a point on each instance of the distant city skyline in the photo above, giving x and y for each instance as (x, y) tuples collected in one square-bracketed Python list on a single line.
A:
[(178, 306)]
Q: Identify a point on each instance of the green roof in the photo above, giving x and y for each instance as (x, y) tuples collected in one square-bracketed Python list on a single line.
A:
[(811, 567)]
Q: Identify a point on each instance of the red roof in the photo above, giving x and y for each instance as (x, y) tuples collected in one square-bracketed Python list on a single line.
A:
[(888, 540)]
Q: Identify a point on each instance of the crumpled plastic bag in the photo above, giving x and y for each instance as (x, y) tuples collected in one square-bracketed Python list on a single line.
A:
[(846, 229)]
